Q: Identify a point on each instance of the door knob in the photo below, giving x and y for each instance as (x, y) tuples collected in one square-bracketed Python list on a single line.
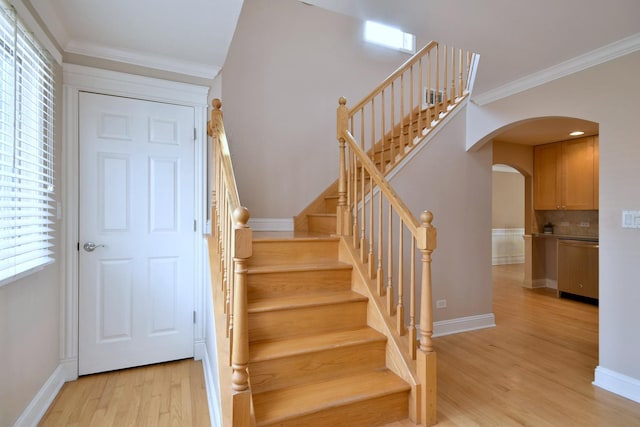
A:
[(90, 246)]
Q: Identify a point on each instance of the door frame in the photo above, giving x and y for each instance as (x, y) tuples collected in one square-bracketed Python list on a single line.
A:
[(78, 79)]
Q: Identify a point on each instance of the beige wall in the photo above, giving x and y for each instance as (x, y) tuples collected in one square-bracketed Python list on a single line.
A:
[(456, 186), (615, 108), (287, 66), (30, 321), (507, 207)]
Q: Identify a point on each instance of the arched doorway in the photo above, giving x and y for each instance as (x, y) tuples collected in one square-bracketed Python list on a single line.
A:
[(507, 216), (513, 145)]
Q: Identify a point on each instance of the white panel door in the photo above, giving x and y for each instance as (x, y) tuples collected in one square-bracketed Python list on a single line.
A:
[(137, 208)]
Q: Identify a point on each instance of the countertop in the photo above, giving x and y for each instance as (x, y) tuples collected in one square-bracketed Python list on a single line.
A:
[(566, 237)]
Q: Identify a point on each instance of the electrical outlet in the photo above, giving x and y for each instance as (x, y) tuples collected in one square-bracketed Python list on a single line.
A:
[(441, 303)]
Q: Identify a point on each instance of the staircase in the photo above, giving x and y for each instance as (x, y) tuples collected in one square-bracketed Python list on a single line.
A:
[(332, 324), (313, 359)]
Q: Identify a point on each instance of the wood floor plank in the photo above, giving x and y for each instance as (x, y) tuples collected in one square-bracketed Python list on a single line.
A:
[(167, 394)]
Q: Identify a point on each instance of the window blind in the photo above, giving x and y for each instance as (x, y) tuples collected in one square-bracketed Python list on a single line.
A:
[(26, 149)]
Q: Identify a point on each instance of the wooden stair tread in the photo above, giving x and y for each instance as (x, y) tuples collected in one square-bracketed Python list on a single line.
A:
[(265, 350), (305, 301), (323, 214), (280, 405), (284, 268)]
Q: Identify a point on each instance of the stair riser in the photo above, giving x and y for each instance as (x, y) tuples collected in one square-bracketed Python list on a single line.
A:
[(322, 224), (293, 252), (277, 284), (330, 204), (321, 365), (307, 321), (372, 412)]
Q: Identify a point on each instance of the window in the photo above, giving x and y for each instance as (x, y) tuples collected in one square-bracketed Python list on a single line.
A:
[(390, 37), (26, 150)]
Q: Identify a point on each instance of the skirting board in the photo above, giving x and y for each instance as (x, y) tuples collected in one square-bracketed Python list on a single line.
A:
[(199, 350), (271, 224), (619, 384), (544, 283), (463, 324), (38, 406), (213, 400)]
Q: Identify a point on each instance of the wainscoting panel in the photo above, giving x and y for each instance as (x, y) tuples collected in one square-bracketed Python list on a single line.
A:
[(507, 246)]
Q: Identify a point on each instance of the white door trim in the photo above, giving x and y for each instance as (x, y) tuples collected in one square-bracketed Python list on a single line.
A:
[(79, 78)]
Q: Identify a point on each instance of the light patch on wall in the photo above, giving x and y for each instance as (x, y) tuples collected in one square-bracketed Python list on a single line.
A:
[(503, 168), (385, 35)]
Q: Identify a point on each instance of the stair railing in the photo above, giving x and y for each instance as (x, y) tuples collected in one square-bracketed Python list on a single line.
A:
[(231, 247), (374, 136), (398, 114), (382, 213)]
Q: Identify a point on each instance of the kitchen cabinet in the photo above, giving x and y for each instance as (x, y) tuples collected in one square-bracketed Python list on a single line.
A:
[(566, 175), (578, 268)]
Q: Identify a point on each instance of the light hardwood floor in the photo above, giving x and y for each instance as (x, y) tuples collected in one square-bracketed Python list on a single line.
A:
[(167, 394), (534, 368)]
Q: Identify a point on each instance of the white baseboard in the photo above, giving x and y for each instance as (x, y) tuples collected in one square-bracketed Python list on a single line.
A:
[(199, 350), (69, 369), (213, 399), (539, 283), (463, 324), (619, 384), (552, 284), (271, 224), (507, 259), (38, 406)]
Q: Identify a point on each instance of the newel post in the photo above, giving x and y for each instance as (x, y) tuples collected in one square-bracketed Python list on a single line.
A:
[(426, 356), (242, 249), (215, 113), (342, 211)]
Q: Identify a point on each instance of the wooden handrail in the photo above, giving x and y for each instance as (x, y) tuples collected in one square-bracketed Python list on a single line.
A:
[(358, 209), (216, 131), (393, 76), (400, 112), (373, 136), (231, 247)]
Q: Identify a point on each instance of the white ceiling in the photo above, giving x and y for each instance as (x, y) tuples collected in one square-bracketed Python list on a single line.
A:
[(514, 38), (520, 43), (190, 37)]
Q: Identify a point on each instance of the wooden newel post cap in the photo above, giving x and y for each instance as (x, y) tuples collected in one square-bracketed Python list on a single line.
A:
[(216, 103), (430, 234), (241, 215), (426, 217), (342, 100)]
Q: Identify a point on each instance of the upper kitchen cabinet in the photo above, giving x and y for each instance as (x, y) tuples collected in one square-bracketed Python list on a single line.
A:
[(566, 175)]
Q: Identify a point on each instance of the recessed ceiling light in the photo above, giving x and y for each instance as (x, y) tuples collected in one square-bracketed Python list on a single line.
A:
[(576, 133)]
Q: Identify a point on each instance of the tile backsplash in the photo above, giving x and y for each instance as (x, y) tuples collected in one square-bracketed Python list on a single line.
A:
[(571, 223)]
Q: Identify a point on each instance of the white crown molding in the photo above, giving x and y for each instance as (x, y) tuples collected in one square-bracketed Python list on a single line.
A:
[(195, 69), (33, 25), (582, 62)]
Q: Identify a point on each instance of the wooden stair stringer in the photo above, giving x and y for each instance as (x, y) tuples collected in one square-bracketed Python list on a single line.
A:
[(398, 359)]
